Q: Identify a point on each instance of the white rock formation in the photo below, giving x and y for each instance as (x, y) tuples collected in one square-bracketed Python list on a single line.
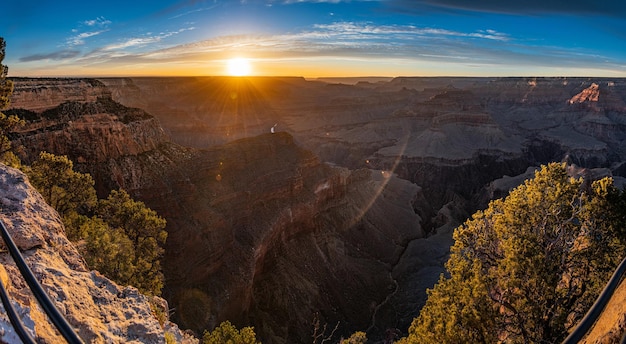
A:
[(99, 310)]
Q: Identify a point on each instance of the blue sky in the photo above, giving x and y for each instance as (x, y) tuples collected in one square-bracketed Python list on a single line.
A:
[(316, 38)]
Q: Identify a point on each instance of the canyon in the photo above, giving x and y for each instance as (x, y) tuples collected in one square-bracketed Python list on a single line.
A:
[(345, 211)]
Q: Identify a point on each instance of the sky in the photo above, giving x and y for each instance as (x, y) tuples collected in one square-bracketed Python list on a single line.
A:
[(315, 38)]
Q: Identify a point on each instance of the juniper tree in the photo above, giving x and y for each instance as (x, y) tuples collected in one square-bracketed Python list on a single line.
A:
[(526, 269), (145, 230)]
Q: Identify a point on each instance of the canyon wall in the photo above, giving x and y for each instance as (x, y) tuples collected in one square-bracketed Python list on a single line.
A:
[(348, 210), (487, 127), (260, 231)]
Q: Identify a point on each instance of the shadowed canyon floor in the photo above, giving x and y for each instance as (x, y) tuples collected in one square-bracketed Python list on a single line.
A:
[(347, 211)]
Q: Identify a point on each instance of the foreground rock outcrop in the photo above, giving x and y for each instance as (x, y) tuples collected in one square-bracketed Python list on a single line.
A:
[(99, 310)]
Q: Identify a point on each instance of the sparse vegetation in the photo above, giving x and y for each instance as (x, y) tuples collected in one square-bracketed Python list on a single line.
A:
[(145, 231), (67, 191), (526, 269), (120, 237), (170, 338), (227, 333), (356, 338)]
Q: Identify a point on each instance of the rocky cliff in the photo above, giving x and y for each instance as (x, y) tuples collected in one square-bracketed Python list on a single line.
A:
[(98, 134), (43, 94), (99, 310)]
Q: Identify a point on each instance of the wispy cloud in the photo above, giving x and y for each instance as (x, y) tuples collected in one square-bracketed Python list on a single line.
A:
[(339, 40), (57, 55), (194, 11), (142, 41), (99, 21), (80, 38), (368, 30), (101, 24)]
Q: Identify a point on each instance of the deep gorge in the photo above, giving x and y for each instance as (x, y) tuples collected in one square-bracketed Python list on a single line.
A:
[(347, 211)]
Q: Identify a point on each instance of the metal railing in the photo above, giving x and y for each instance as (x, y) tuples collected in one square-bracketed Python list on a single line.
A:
[(53, 313), (14, 318), (594, 312)]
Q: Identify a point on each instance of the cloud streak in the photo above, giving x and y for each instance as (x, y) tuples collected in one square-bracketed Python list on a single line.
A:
[(407, 32), (613, 8), (57, 55), (99, 23), (342, 40), (142, 41), (80, 38)]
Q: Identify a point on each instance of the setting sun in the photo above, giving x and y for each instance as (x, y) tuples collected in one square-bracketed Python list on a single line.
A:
[(239, 67)]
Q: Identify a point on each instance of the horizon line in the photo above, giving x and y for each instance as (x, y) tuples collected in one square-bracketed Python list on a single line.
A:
[(312, 78)]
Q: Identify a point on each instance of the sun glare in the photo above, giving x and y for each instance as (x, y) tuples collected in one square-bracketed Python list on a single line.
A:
[(239, 67)]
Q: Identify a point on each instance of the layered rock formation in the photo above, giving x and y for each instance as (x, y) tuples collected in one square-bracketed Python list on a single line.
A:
[(99, 310), (43, 94), (411, 125), (257, 228), (264, 231)]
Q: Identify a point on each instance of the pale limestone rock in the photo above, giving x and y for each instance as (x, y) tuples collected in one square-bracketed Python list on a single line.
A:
[(589, 94), (99, 310)]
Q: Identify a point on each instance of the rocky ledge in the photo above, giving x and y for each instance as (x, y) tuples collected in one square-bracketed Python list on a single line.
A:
[(99, 310)]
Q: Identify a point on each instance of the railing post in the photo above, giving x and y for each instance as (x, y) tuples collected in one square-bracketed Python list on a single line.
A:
[(594, 312), (53, 313), (13, 317)]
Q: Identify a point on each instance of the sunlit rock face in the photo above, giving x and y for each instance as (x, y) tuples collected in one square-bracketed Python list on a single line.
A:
[(45, 93), (99, 310), (99, 136)]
